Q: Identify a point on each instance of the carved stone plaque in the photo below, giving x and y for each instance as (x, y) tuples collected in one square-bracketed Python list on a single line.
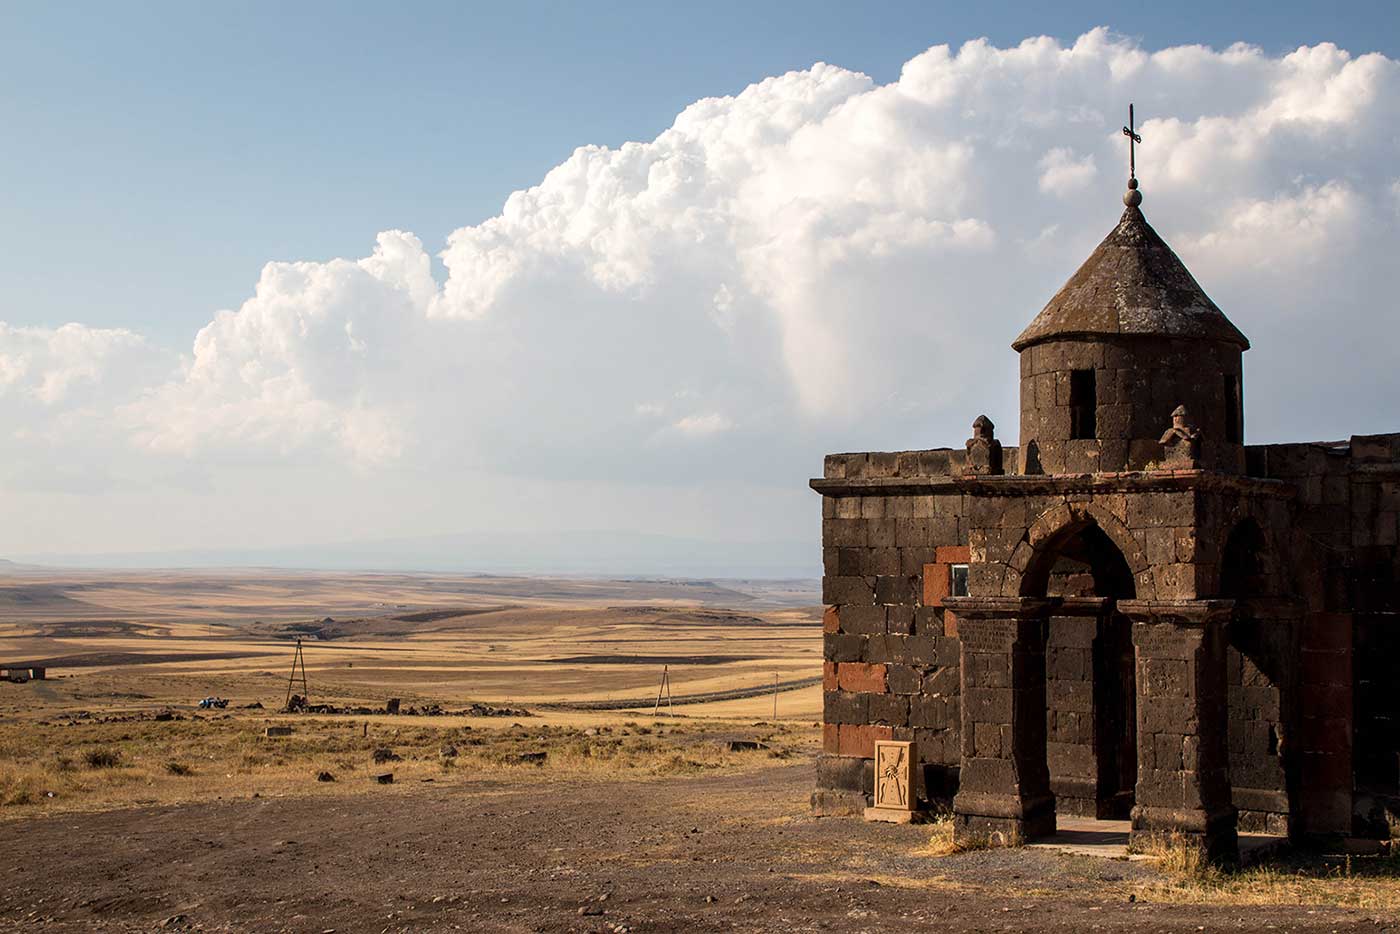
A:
[(988, 635), (895, 792)]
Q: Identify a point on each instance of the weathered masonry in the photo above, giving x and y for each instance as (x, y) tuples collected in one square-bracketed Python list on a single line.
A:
[(1133, 614)]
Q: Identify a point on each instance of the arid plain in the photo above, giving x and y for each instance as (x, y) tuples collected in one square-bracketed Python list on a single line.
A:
[(540, 793), (131, 655), (173, 637)]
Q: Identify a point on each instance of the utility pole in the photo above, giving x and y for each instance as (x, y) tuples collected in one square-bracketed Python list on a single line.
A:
[(665, 686), (297, 659)]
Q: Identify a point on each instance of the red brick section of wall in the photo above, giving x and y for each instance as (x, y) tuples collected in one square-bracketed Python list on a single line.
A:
[(857, 740), (935, 584), (860, 677), (936, 580)]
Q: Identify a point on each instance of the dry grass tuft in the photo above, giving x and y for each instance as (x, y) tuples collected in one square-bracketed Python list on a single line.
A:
[(20, 785), (1176, 856), (1371, 882), (944, 842), (102, 758)]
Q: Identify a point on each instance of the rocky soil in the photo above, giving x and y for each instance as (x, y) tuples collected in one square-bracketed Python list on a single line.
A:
[(719, 852)]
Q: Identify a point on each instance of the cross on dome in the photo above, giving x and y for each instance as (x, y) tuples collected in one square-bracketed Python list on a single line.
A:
[(1132, 198)]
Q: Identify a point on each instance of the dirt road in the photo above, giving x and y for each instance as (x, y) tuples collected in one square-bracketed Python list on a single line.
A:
[(718, 853)]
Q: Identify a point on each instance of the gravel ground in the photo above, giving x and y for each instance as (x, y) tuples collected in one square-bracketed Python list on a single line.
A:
[(723, 852)]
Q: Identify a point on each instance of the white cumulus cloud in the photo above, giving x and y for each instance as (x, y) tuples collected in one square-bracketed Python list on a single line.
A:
[(48, 364), (819, 262), (1062, 172), (699, 426)]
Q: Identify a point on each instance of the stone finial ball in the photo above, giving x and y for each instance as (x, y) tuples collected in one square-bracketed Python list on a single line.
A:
[(1132, 197)]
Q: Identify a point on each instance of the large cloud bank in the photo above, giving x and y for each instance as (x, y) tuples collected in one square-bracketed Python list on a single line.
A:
[(818, 262)]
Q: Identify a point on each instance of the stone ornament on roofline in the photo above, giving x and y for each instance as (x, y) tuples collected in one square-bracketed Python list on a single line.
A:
[(983, 449), (1181, 445)]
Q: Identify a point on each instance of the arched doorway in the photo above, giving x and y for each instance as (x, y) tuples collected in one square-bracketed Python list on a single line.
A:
[(1243, 574), (1090, 672)]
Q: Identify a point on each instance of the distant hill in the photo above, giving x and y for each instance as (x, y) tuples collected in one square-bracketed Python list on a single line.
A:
[(602, 552)]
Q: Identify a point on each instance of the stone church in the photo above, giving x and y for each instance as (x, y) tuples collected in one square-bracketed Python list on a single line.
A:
[(1135, 614)]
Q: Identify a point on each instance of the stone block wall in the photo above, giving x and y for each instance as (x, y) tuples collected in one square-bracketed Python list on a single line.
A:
[(1373, 590), (1326, 755), (1346, 528), (1256, 732), (1070, 713), (1153, 526), (890, 667)]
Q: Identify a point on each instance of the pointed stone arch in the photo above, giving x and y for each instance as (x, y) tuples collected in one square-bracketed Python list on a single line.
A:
[(1061, 521), (1250, 535)]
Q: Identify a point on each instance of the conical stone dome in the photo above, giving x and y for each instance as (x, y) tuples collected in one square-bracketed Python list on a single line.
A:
[(1132, 284)]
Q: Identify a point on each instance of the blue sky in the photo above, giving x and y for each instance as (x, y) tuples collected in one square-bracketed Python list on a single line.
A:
[(427, 315), (157, 154)]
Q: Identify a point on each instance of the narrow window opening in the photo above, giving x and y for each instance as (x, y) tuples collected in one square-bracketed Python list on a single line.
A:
[(1273, 740), (1083, 398), (957, 580), (1234, 410)]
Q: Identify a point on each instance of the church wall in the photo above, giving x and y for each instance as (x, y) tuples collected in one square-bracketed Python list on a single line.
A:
[(1256, 736), (891, 652), (1264, 638), (892, 666), (1346, 526), (1374, 596)]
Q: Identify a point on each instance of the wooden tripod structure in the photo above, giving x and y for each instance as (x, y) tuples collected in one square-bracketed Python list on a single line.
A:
[(664, 686), (298, 658)]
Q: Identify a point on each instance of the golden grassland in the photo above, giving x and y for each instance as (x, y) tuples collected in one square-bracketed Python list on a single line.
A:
[(133, 640), (51, 768), (124, 646)]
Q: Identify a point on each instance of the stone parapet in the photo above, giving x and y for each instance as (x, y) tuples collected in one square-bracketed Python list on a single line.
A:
[(936, 462), (1129, 481)]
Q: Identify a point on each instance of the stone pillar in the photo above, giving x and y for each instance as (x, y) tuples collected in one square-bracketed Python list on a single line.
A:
[(1183, 785), (1004, 784)]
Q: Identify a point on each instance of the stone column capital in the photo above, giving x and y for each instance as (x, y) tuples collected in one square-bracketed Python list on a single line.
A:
[(1000, 607), (1185, 613)]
